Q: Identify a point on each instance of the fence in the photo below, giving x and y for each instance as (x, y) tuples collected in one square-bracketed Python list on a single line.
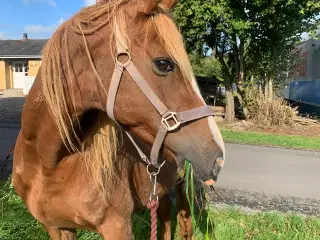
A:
[(28, 84)]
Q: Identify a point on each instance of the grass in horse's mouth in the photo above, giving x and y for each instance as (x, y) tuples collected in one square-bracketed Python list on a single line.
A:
[(191, 197)]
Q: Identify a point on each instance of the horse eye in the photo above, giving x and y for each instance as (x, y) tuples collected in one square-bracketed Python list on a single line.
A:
[(163, 66)]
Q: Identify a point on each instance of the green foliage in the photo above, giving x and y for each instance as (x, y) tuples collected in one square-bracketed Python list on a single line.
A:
[(16, 222), (190, 191), (263, 139), (232, 223), (252, 39), (206, 67), (201, 223)]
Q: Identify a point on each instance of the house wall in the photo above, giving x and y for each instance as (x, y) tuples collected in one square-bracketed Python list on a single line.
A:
[(5, 75), (6, 72), (309, 67), (34, 66), (9, 76), (2, 75)]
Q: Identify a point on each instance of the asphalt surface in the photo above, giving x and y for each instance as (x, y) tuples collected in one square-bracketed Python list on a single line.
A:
[(270, 179), (8, 135)]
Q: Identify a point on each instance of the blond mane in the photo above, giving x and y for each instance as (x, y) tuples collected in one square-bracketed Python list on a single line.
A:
[(100, 146)]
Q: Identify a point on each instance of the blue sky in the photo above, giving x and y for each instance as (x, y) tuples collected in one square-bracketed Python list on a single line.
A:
[(38, 18)]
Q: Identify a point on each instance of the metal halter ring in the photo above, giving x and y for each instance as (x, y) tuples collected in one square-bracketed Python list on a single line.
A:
[(166, 119), (157, 167), (127, 62)]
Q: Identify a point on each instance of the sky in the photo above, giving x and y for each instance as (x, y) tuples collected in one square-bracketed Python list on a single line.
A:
[(38, 18)]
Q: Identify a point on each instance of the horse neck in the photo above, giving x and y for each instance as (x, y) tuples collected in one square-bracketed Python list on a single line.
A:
[(39, 131)]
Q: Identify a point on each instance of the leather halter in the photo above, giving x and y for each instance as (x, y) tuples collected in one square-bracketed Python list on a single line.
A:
[(165, 127)]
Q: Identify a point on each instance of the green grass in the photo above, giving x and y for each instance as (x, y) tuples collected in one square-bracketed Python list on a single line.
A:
[(17, 224), (253, 138)]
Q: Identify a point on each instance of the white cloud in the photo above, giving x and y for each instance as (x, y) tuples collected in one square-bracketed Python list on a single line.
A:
[(41, 29), (51, 3), (89, 2), (2, 36)]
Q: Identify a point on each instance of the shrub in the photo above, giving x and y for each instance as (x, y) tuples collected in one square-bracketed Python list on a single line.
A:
[(265, 111)]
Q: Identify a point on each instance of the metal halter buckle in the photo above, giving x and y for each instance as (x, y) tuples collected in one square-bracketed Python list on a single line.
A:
[(171, 116)]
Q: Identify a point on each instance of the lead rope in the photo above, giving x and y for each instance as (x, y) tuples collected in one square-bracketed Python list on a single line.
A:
[(153, 203), (153, 207)]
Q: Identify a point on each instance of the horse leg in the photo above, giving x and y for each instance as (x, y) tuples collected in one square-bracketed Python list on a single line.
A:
[(164, 214), (117, 227), (183, 213), (57, 234)]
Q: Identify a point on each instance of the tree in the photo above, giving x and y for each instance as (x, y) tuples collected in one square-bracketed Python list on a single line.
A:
[(279, 29), (206, 66), (253, 40), (216, 25)]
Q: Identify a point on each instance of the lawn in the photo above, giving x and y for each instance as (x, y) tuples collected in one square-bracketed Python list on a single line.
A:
[(17, 224), (267, 139)]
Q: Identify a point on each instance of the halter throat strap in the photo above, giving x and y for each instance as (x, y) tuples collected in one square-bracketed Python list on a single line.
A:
[(167, 116)]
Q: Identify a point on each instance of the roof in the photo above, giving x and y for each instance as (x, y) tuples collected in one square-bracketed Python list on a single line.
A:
[(29, 48)]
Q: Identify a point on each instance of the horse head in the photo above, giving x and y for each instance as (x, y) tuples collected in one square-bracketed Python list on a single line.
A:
[(127, 58)]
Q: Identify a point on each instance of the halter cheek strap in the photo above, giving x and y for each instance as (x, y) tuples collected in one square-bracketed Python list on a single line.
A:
[(167, 116)]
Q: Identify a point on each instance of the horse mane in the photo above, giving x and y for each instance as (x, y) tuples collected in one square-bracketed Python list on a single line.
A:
[(101, 144)]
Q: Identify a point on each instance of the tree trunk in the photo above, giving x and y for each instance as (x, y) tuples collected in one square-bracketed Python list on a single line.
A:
[(241, 62), (260, 90), (239, 65), (243, 104), (266, 90), (270, 89), (228, 85), (229, 105)]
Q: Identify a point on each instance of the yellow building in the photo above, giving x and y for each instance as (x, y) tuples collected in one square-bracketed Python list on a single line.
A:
[(18, 60)]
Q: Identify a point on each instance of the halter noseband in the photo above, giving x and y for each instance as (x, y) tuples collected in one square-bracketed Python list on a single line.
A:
[(167, 116)]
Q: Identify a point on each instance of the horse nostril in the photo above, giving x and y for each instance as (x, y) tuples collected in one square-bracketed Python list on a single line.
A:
[(218, 165), (220, 162)]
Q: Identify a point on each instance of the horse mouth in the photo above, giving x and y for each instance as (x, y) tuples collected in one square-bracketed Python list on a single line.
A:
[(209, 182)]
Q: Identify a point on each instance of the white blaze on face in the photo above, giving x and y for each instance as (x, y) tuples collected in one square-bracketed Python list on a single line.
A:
[(217, 137)]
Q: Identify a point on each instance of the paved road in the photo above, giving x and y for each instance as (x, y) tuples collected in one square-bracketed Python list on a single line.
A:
[(271, 178), (272, 171), (8, 136)]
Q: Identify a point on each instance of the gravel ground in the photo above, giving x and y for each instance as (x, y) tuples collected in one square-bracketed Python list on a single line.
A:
[(11, 104), (251, 202)]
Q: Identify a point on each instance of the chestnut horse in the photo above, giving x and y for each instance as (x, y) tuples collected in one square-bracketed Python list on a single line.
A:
[(109, 76)]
